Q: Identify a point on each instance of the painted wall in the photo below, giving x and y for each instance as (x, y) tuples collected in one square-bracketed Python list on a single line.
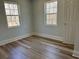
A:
[(40, 21), (66, 19), (76, 41), (25, 21)]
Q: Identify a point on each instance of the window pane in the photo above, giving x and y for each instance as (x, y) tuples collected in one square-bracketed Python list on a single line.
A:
[(16, 12), (14, 23), (51, 19), (9, 20), (51, 12), (11, 6), (15, 6), (15, 20), (54, 10), (47, 5), (51, 7), (55, 2), (12, 12), (8, 12), (55, 19), (48, 10), (6, 5), (51, 4), (48, 19)]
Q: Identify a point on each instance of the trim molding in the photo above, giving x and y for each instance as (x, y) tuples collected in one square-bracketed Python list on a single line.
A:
[(28, 35), (48, 36), (54, 38), (14, 39), (76, 54)]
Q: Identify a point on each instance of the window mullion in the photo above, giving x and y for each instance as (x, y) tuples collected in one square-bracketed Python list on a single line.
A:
[(51, 12), (12, 18)]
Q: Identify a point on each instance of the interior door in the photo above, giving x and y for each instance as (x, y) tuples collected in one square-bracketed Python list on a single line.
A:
[(68, 21)]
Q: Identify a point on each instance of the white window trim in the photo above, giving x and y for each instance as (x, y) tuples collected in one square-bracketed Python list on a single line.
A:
[(45, 20), (13, 2)]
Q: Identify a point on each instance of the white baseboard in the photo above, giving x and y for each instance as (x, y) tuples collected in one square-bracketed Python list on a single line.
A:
[(49, 36), (76, 54), (71, 43), (13, 39), (28, 35)]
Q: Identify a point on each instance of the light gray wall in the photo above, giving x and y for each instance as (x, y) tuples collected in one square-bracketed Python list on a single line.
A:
[(25, 20), (32, 19), (76, 41), (65, 20), (69, 20), (40, 21)]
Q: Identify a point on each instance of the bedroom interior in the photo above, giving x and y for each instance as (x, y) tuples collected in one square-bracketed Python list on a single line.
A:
[(39, 29)]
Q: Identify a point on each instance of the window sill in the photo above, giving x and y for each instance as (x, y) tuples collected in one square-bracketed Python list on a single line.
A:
[(13, 26), (50, 25)]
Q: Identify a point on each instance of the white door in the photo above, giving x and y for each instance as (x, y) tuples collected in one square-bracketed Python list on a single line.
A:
[(69, 21)]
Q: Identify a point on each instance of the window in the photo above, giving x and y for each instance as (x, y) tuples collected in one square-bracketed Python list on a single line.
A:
[(12, 14), (51, 13)]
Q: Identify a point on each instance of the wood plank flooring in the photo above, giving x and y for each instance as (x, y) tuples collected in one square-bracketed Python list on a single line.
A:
[(34, 48)]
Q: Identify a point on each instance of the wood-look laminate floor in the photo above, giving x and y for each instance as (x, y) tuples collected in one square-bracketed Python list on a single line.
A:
[(34, 48)]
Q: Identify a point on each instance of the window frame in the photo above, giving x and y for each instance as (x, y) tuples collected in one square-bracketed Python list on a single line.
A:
[(18, 8), (45, 14)]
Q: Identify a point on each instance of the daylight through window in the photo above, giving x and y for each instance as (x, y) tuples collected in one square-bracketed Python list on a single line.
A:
[(51, 13), (12, 14)]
